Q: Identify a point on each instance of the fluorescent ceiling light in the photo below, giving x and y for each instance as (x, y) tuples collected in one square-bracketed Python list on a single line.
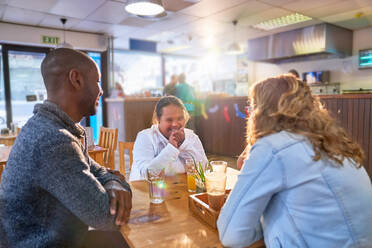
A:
[(282, 21), (144, 7)]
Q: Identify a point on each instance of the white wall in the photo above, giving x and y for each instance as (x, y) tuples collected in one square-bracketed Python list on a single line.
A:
[(344, 70), (28, 35)]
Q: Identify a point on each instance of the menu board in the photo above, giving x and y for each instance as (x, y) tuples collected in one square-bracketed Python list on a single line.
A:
[(365, 58)]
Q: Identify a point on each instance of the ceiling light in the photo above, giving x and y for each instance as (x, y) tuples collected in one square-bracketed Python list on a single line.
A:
[(282, 21), (234, 48), (154, 17), (144, 7), (64, 44)]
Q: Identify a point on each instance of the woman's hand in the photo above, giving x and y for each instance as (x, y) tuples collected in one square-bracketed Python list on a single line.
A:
[(242, 157), (177, 137)]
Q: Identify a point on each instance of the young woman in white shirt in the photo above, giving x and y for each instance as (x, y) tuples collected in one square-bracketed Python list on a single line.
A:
[(167, 143)]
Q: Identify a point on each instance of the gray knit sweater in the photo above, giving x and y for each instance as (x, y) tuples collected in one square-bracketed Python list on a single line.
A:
[(51, 191)]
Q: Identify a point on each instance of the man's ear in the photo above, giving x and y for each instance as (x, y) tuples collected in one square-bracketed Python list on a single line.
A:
[(76, 79)]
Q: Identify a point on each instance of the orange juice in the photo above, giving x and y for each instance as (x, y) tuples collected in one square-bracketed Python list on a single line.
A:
[(191, 186)]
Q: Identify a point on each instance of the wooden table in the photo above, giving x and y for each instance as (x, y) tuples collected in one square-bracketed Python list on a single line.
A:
[(4, 155), (7, 140), (96, 153), (169, 224)]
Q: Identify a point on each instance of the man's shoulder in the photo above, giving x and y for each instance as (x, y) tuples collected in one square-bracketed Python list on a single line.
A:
[(40, 130)]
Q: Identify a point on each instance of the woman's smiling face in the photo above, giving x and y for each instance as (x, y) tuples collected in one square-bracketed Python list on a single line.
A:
[(172, 118)]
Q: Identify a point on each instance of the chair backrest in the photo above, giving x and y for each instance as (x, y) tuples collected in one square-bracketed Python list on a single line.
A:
[(108, 138), (122, 147)]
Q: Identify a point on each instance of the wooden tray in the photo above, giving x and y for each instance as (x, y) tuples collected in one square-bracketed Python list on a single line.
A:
[(198, 204)]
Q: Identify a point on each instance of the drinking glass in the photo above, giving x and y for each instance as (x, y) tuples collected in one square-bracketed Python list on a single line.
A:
[(215, 183), (219, 166), (191, 174), (155, 178)]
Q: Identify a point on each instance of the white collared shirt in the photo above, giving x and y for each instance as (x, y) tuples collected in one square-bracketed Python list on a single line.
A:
[(152, 149)]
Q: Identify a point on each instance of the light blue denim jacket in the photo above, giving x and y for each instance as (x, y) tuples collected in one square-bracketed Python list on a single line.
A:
[(297, 201)]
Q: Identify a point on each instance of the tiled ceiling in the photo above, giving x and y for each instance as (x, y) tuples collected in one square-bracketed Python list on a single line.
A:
[(190, 22)]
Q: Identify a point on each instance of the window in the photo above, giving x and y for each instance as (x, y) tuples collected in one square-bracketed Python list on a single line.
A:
[(137, 71), (26, 84), (192, 68)]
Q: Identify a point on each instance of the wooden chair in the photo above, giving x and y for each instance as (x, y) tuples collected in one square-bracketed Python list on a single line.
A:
[(122, 147), (108, 138)]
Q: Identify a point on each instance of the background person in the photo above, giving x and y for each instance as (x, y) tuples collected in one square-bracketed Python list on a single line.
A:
[(170, 88), (167, 143), (303, 175), (51, 191), (118, 91), (294, 73), (186, 93)]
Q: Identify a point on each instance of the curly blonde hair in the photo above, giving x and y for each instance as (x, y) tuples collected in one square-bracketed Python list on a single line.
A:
[(286, 103)]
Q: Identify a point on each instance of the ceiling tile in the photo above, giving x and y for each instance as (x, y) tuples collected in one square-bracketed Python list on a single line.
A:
[(174, 20), (109, 12), (302, 5), (350, 19), (208, 7), (277, 2), (4, 1), (205, 27), (55, 22), (17, 15), (90, 26), (176, 5), (331, 9), (2, 10), (136, 22), (76, 8), (119, 30), (355, 24), (240, 11), (363, 3), (37, 5)]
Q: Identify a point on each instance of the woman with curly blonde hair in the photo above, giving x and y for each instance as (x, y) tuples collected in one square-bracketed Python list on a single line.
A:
[(303, 175)]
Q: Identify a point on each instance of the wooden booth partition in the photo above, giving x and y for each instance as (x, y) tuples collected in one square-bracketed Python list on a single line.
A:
[(223, 137), (354, 113), (221, 126)]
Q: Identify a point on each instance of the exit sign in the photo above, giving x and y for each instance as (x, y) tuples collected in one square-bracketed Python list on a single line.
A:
[(49, 40)]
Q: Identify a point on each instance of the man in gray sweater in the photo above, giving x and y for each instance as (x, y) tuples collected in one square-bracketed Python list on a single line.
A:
[(51, 191)]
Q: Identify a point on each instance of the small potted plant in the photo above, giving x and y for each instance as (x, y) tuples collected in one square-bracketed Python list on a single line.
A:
[(200, 175)]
